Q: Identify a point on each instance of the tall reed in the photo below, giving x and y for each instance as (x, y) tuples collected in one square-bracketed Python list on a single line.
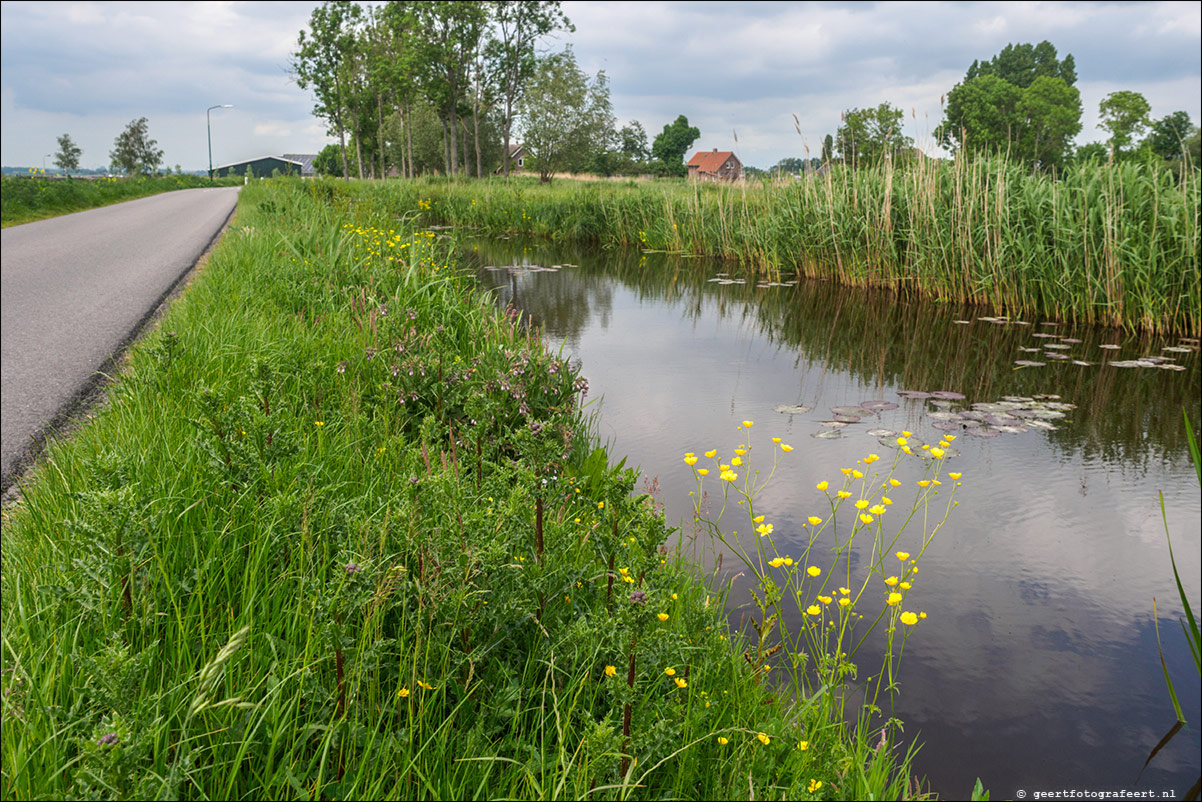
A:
[(1116, 245)]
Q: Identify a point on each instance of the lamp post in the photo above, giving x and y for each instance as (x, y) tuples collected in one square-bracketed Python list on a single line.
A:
[(44, 158), (209, 127)]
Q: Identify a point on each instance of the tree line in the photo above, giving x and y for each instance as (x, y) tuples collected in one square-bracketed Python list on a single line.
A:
[(133, 153), (1023, 104), (423, 86)]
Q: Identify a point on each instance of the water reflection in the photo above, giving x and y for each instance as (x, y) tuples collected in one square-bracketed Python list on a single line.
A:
[(1037, 668)]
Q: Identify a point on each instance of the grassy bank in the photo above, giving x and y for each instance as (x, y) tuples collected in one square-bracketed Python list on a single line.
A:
[(342, 533), (23, 200), (1112, 245)]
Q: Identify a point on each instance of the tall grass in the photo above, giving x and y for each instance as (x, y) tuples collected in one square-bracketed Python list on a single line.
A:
[(1116, 245), (342, 533)]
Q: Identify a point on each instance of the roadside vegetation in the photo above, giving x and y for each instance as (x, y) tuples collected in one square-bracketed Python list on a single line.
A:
[(1116, 245), (25, 199), (342, 532)]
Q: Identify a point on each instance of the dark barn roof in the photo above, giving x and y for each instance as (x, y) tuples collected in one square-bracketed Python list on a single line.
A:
[(262, 166)]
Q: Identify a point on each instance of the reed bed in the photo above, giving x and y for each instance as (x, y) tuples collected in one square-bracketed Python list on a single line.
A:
[(1097, 244)]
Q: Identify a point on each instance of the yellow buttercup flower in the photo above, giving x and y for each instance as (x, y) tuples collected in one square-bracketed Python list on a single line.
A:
[(825, 599), (843, 494), (955, 475), (427, 686), (764, 529), (747, 424), (813, 609), (611, 671), (785, 447), (776, 439), (844, 601), (804, 745), (894, 599), (923, 482), (909, 619), (729, 476), (764, 739), (703, 471), (712, 453), (894, 483), (757, 519), (813, 570), (737, 461), (866, 518), (891, 581), (662, 616), (403, 693), (690, 460), (681, 683), (777, 562), (671, 672), (861, 504), (822, 485), (814, 520), (903, 555), (877, 509), (723, 741), (815, 785)]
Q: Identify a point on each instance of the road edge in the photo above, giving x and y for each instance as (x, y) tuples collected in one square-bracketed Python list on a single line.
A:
[(75, 411)]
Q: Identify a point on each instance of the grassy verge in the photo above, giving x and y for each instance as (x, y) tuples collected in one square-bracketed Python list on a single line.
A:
[(23, 200), (1113, 245), (342, 533)]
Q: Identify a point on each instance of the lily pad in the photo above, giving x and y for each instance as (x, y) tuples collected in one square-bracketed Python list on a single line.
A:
[(1177, 349), (878, 406), (1030, 350), (1082, 363), (943, 415), (1069, 340), (1029, 363), (982, 432), (858, 412), (949, 425), (1041, 424), (1058, 346), (1110, 346), (948, 395), (792, 409), (882, 433), (1043, 333), (962, 322), (834, 424), (827, 435), (913, 394), (1011, 429), (847, 418)]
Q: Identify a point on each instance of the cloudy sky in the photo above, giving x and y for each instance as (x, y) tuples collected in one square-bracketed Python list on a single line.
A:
[(734, 69)]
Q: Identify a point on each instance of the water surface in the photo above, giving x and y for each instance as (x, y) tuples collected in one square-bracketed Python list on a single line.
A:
[(1037, 668)]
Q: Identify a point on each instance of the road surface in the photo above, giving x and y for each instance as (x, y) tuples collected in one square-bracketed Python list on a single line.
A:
[(76, 290)]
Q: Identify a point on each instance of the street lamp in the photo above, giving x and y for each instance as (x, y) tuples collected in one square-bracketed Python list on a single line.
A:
[(209, 127), (44, 158)]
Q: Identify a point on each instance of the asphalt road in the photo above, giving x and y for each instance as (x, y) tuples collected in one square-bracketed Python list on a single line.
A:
[(75, 290)]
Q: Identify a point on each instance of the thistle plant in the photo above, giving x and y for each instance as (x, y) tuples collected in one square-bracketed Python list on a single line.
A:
[(857, 563)]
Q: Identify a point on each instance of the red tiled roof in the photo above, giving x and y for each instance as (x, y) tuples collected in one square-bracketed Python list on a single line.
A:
[(710, 161)]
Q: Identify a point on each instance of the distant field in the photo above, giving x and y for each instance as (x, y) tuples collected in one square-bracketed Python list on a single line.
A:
[(25, 199)]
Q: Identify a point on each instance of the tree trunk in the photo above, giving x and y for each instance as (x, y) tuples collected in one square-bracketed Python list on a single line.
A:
[(476, 130), (341, 133), (409, 137), (454, 144), (466, 162), (380, 133), (446, 148)]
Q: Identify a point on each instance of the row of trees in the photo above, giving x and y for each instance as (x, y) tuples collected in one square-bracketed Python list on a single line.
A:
[(133, 153), (1024, 103), (421, 85), (466, 64)]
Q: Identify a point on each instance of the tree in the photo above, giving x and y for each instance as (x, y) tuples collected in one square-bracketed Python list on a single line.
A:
[(1169, 134), (632, 140), (1022, 64), (672, 144), (67, 158), (565, 118), (828, 148), (1022, 102), (319, 59), (870, 135), (1125, 115), (134, 151), (519, 26)]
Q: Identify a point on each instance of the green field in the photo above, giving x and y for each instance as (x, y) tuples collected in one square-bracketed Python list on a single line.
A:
[(25, 199)]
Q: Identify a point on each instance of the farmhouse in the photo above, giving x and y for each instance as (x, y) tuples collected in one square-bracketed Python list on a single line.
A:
[(717, 165)]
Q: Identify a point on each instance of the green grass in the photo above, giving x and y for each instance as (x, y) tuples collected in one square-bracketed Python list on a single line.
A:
[(342, 532), (1111, 245), (25, 199)]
